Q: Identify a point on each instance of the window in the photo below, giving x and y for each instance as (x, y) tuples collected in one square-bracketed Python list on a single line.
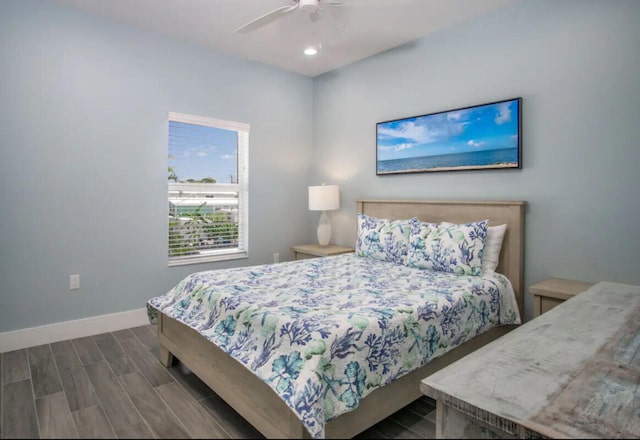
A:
[(208, 189)]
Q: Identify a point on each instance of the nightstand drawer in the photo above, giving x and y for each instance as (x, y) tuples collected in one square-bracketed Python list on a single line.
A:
[(302, 256), (547, 304), (304, 251), (553, 291)]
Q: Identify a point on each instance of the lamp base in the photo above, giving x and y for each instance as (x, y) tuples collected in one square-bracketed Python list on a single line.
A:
[(324, 229)]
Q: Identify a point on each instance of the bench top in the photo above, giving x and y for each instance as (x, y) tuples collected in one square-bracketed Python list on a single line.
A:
[(571, 372)]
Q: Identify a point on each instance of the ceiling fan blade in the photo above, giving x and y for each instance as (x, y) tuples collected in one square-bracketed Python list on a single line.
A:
[(326, 7), (266, 19), (315, 15)]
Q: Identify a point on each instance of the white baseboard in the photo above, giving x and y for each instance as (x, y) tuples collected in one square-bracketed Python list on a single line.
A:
[(46, 334)]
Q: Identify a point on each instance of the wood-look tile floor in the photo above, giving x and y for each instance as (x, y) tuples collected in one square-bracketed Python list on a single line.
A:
[(112, 385)]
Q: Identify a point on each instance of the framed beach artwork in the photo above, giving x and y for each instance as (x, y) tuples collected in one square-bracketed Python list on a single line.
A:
[(486, 136)]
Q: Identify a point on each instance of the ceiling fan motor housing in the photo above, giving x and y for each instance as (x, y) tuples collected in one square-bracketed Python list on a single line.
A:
[(308, 5)]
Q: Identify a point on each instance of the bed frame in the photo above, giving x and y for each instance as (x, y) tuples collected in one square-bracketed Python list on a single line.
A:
[(267, 412)]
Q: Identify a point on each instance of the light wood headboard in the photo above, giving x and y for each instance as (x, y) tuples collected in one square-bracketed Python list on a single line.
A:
[(510, 213)]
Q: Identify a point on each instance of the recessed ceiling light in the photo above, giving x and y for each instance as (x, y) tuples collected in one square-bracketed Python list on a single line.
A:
[(310, 51)]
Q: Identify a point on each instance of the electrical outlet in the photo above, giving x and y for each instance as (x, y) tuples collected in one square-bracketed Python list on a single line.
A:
[(74, 282), (276, 257)]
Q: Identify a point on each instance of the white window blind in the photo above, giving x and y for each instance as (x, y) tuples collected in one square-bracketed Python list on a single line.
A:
[(207, 189)]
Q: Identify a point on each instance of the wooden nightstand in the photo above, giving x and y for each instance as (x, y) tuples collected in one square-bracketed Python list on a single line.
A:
[(553, 291), (315, 250)]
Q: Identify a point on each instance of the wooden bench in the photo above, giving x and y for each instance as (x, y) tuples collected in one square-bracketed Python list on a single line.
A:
[(572, 372)]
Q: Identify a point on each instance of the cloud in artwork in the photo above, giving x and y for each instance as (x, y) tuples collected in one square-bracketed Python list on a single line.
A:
[(228, 156), (408, 130), (504, 114), (397, 147), (400, 147)]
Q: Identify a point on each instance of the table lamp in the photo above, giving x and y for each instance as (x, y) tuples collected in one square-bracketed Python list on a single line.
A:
[(324, 198)]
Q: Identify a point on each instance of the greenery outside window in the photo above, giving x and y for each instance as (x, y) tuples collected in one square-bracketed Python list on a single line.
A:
[(207, 189)]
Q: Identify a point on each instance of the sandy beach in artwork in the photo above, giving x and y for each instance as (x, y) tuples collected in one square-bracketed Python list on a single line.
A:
[(458, 168)]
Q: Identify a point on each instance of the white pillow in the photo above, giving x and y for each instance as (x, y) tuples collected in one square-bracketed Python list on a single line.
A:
[(492, 246)]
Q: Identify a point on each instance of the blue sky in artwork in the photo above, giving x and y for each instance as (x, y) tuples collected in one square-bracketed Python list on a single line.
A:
[(481, 128), (197, 151)]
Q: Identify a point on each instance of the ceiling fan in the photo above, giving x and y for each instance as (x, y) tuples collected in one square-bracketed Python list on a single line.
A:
[(313, 7)]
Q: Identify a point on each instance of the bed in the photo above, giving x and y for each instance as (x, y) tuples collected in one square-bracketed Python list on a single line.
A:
[(267, 402)]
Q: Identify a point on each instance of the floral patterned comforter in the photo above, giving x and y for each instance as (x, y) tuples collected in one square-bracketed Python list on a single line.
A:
[(325, 332)]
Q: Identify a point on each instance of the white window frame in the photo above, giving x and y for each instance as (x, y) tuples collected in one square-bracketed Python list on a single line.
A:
[(241, 188)]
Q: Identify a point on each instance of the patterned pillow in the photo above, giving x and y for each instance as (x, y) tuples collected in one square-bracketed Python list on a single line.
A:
[(492, 247), (448, 247), (383, 239)]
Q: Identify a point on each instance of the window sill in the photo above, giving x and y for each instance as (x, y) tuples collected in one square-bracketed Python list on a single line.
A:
[(208, 258)]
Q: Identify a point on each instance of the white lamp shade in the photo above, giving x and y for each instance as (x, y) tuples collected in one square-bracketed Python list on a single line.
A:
[(324, 198)]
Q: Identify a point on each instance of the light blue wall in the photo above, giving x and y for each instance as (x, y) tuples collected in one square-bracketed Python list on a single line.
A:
[(83, 158), (577, 66), (83, 106)]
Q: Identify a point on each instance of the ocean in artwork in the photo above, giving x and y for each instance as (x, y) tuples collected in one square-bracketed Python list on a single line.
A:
[(501, 158)]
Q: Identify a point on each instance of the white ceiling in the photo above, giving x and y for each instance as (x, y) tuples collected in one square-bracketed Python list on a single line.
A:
[(348, 32)]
